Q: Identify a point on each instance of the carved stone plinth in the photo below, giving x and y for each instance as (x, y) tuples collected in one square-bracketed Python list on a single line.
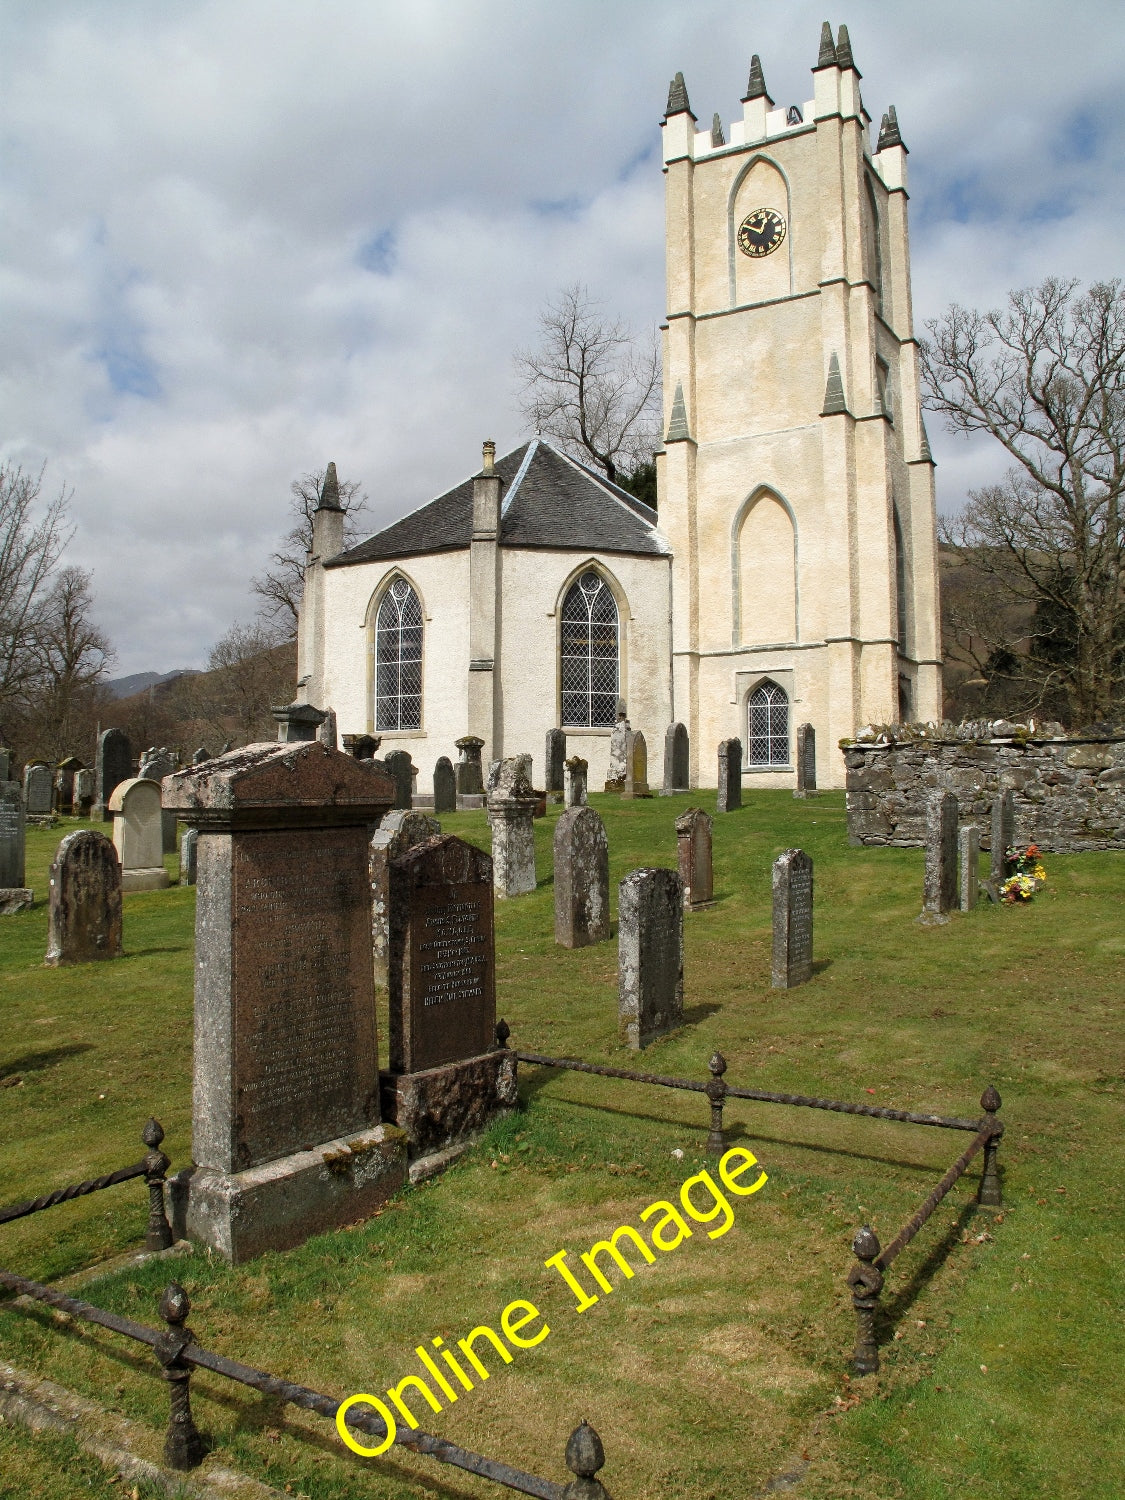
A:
[(442, 1105)]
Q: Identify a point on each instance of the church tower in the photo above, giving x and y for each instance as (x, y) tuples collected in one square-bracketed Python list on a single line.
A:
[(796, 483)]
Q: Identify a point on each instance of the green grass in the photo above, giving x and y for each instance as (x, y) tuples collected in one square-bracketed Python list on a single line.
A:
[(726, 1362)]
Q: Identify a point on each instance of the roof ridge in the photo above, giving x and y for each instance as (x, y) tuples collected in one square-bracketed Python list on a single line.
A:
[(520, 472), (613, 491)]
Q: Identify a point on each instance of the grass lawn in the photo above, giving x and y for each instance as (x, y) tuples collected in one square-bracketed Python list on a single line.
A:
[(723, 1366)]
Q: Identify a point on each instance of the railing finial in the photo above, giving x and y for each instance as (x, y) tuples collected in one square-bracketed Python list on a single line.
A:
[(584, 1457), (159, 1235), (183, 1447), (866, 1281)]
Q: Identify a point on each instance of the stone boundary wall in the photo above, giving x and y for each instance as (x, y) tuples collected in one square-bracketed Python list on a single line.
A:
[(1070, 792)]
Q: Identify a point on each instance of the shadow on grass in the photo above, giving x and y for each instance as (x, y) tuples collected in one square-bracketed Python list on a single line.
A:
[(31, 1062), (148, 952), (892, 1309)]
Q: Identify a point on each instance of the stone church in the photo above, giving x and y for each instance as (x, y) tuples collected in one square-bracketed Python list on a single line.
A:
[(790, 573)]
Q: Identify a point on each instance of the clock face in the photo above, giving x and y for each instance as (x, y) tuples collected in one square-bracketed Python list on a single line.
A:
[(761, 232)]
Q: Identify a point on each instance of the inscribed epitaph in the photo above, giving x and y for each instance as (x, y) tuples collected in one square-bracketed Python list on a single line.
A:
[(38, 789), (14, 895), (792, 919), (138, 834), (84, 911), (650, 955)]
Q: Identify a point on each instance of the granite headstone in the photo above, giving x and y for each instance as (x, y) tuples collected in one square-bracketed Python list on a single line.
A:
[(38, 789), (555, 760), (112, 764), (445, 786), (969, 852), (14, 895), (188, 855), (399, 832), (84, 787), (155, 765), (729, 795), (677, 767), (940, 882), (137, 835), (792, 919), (1003, 836), (402, 771), (576, 772), (512, 801), (581, 879), (636, 766), (84, 909), (693, 846), (470, 771), (806, 761), (650, 955)]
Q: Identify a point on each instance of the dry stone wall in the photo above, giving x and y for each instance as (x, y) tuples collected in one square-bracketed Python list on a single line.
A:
[(1069, 789)]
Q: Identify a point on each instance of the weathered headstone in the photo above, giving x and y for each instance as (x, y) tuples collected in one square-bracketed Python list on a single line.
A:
[(112, 764), (84, 787), (445, 786), (470, 771), (137, 835), (1003, 836), (188, 855), (5, 764), (286, 1132), (792, 919), (729, 795), (940, 886), (618, 747), (326, 734), (555, 760), (581, 879), (677, 769), (400, 831), (636, 767), (511, 808), (402, 771), (576, 771), (446, 1076), (200, 756), (650, 955), (14, 895), (297, 723), (693, 842), (806, 760), (64, 783), (84, 912), (38, 789), (154, 766), (969, 849)]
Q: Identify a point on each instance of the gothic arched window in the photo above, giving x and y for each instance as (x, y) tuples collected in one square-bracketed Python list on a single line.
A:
[(398, 659), (767, 726), (590, 653)]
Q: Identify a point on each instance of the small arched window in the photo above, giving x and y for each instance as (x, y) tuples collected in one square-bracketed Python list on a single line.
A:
[(398, 659), (590, 654), (767, 726)]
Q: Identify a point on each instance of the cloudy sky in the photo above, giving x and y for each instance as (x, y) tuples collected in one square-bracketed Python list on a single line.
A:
[(242, 237)]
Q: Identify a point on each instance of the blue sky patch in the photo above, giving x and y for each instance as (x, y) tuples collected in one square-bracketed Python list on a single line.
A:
[(380, 254), (130, 371), (1079, 139)]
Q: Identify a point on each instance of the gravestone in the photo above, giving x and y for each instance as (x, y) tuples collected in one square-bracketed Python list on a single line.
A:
[(84, 909), (188, 855), (940, 885), (969, 848), (512, 802), (286, 1135), (399, 832), (362, 746), (137, 836), (64, 783), (555, 761), (581, 879), (155, 765), (636, 767), (297, 723), (693, 844), (112, 764), (470, 772), (14, 895), (445, 786), (806, 761), (200, 756), (1003, 837), (677, 770), (576, 770), (5, 764), (84, 787), (326, 734), (650, 955), (792, 919), (618, 747), (446, 1077), (402, 771), (38, 789), (729, 795)]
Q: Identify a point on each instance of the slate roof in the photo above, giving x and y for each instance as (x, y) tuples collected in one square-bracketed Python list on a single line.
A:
[(546, 500)]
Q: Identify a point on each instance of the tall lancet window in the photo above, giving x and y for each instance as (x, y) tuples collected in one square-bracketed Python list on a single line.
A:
[(398, 659), (590, 653), (767, 726)]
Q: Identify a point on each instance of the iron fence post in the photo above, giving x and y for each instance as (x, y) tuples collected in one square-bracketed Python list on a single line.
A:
[(716, 1091), (183, 1447), (988, 1193), (584, 1457), (503, 1032), (159, 1235), (866, 1281)]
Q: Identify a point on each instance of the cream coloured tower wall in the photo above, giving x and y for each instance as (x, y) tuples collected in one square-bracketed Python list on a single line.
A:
[(779, 485)]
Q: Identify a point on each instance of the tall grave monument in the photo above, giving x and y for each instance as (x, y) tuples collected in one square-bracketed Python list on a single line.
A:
[(286, 1134), (113, 763), (14, 895)]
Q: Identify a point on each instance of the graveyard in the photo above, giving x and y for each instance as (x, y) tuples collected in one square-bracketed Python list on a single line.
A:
[(722, 1369)]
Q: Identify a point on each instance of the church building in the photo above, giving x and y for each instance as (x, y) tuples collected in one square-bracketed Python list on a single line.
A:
[(790, 573)]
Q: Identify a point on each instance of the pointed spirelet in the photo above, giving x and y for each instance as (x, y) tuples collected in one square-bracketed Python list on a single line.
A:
[(330, 490), (927, 455), (756, 87), (833, 390), (889, 131), (827, 58), (677, 98), (677, 426), (844, 58), (717, 136)]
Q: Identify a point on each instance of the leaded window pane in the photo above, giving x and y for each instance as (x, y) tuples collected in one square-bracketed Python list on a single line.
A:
[(590, 654), (398, 659), (768, 726)]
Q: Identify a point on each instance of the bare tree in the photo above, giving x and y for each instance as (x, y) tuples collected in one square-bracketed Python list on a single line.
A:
[(71, 655), (591, 386), (280, 587), (1045, 377), (32, 539), (249, 670)]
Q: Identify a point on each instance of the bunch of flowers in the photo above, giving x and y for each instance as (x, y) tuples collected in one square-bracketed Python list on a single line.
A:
[(1026, 873)]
